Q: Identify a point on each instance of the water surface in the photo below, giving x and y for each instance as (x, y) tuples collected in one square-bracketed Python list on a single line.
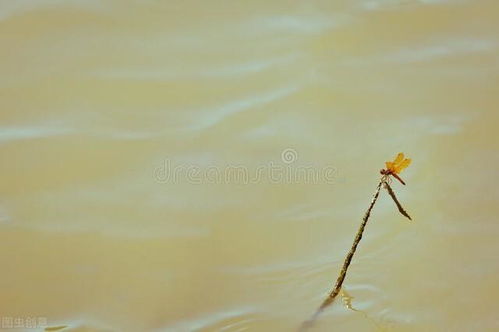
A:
[(101, 102)]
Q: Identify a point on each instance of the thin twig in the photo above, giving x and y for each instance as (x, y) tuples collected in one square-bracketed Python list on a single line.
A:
[(348, 260), (399, 206)]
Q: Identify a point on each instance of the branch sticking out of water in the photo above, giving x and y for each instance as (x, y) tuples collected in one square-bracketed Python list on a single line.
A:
[(399, 206), (348, 259)]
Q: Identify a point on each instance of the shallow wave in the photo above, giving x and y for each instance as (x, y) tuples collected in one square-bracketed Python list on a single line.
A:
[(227, 71), (395, 4), (21, 133), (428, 52), (440, 50), (13, 8), (210, 117), (220, 320), (286, 270), (4, 216), (303, 213), (295, 24), (79, 325), (9, 134)]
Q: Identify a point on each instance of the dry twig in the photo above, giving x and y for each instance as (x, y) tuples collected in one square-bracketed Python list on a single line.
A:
[(348, 259), (399, 206)]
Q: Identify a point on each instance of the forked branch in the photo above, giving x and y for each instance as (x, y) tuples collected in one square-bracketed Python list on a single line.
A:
[(348, 259)]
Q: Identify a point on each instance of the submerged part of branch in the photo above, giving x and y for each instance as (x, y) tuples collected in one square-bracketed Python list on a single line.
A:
[(399, 206)]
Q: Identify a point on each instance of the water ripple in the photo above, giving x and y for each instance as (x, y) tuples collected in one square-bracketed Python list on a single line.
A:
[(211, 117), (21, 133), (221, 319)]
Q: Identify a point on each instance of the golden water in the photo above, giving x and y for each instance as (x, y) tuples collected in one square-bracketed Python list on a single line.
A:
[(101, 101)]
